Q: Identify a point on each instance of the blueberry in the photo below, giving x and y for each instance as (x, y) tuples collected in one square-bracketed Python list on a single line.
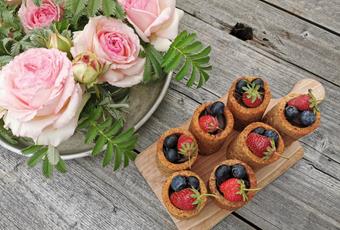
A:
[(171, 155), (193, 182), (239, 172), (216, 109), (260, 82), (222, 173), (240, 84), (178, 183), (259, 130), (291, 113), (171, 141), (272, 134), (221, 121), (307, 118)]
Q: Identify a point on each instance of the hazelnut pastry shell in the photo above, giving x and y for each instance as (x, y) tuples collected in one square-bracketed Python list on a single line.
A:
[(289, 132), (208, 143), (163, 163), (219, 199), (244, 116), (179, 213), (238, 148)]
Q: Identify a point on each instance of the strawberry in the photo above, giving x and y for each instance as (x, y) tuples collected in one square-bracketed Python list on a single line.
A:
[(187, 199), (252, 98), (183, 199), (300, 102), (261, 146), (186, 145), (305, 102), (208, 123), (234, 190)]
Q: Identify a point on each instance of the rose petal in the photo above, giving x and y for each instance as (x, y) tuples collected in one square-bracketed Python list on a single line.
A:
[(170, 30), (71, 109), (55, 136), (161, 44)]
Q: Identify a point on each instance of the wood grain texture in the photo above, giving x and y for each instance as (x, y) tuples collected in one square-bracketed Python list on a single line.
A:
[(233, 58), (323, 12), (276, 32), (89, 197)]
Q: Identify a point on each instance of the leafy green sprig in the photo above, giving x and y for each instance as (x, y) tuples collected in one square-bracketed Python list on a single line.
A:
[(48, 155), (190, 58), (103, 130), (186, 55)]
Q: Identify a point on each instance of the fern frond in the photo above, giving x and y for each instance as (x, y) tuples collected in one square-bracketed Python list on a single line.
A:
[(190, 58), (103, 131), (48, 155), (153, 69)]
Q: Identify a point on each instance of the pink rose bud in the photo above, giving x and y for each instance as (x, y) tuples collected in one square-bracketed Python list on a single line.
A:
[(60, 42), (87, 69)]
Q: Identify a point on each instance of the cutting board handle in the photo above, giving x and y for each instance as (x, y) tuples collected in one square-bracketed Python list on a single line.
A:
[(302, 87)]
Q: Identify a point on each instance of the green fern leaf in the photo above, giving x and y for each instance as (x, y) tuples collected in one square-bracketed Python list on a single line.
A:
[(118, 159), (37, 157), (61, 166), (102, 140), (153, 69), (189, 57), (108, 155), (47, 168)]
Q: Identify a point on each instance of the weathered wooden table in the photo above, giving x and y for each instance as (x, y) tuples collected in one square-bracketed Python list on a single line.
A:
[(295, 39)]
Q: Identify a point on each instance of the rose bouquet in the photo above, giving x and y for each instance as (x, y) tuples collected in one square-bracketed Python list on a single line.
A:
[(66, 65)]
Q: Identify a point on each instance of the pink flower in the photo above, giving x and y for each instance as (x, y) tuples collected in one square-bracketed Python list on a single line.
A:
[(114, 44), (155, 21), (41, 97), (33, 16)]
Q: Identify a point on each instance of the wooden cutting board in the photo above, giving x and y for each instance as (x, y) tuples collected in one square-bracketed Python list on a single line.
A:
[(212, 214)]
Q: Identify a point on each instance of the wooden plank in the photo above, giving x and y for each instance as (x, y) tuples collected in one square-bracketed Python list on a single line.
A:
[(277, 33), (88, 197), (323, 12)]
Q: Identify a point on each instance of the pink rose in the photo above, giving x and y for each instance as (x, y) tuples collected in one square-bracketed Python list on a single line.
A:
[(155, 21), (41, 97), (115, 44), (33, 16)]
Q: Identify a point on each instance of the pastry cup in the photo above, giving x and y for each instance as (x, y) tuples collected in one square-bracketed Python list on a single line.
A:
[(238, 148), (178, 213), (163, 163), (244, 116), (219, 198), (290, 133), (208, 143)]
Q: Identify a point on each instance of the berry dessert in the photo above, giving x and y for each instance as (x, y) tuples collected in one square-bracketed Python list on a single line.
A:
[(211, 124), (176, 150), (248, 99), (184, 194), (295, 116), (233, 183), (257, 145)]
